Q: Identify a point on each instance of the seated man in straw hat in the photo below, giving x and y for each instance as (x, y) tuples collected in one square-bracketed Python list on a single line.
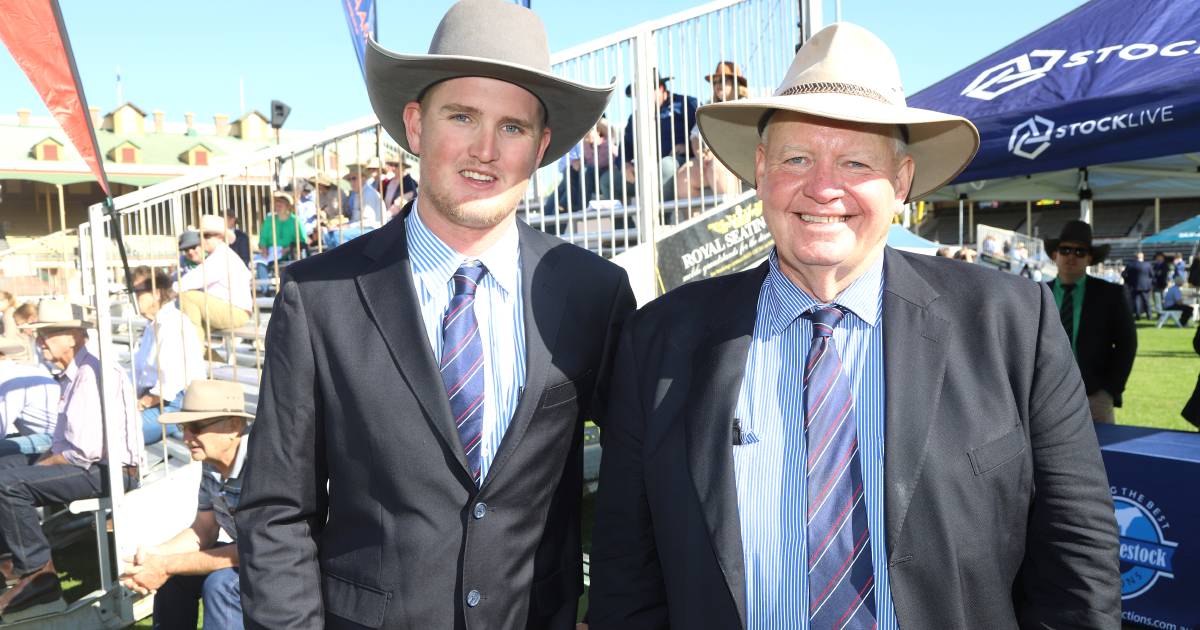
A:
[(215, 294), (194, 565), (76, 465), (801, 445), (417, 459)]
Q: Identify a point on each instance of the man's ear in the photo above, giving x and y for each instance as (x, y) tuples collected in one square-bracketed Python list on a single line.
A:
[(412, 126), (904, 178)]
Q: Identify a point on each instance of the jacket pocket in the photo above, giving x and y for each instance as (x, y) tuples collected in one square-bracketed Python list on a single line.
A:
[(363, 605), (997, 452), (564, 393)]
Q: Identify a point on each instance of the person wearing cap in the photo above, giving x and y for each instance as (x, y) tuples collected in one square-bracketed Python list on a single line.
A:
[(849, 436), (417, 454), (28, 400), (215, 294), (399, 189), (363, 205), (196, 564), (191, 253), (676, 119), (1096, 317), (75, 467), (728, 83)]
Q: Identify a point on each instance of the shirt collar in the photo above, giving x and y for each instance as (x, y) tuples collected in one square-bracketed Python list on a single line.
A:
[(788, 302), (238, 461), (72, 368), (435, 259)]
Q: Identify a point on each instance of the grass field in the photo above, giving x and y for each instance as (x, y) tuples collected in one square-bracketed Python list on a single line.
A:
[(1162, 380)]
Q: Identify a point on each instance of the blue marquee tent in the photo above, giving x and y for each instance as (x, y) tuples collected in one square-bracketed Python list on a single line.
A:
[(900, 238), (1183, 232), (1110, 82)]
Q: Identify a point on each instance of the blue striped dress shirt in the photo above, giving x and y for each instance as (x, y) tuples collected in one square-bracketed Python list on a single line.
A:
[(769, 466), (498, 307)]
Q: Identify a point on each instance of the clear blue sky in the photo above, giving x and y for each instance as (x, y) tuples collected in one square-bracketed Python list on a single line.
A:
[(188, 56)]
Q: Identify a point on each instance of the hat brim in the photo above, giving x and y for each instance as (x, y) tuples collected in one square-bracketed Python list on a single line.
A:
[(69, 324), (941, 145), (184, 417), (394, 80)]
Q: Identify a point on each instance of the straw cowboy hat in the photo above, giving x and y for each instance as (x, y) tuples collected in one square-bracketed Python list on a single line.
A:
[(1077, 231), (205, 399), (10, 346), (59, 314), (279, 194), (212, 224), (359, 169), (485, 38), (727, 69), (844, 72)]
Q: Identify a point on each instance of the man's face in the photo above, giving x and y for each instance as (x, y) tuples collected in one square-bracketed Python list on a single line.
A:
[(194, 254), (829, 191), (58, 346), (212, 439), (148, 305), (479, 140), (1070, 266), (211, 240), (1140, 256)]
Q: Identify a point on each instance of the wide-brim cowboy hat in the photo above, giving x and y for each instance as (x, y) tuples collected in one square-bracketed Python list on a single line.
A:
[(206, 399), (1077, 231), (360, 169), (212, 224), (844, 73), (484, 38), (728, 69), (56, 314)]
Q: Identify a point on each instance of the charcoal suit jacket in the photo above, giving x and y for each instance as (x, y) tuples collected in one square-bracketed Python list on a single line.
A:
[(997, 510), (1106, 344), (357, 508)]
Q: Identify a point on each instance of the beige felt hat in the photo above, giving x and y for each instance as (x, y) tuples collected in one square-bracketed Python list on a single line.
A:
[(485, 38), (212, 224), (844, 72), (205, 399), (58, 314), (360, 169)]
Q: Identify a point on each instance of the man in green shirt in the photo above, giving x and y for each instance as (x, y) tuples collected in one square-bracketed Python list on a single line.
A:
[(1096, 316)]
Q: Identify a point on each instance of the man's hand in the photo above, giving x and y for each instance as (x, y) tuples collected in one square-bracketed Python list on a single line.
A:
[(51, 459), (146, 572)]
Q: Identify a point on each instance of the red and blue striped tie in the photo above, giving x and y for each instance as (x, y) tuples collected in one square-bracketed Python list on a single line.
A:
[(462, 362), (841, 582)]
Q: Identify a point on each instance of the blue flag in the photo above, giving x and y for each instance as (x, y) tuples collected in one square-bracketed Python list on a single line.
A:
[(1111, 81), (361, 18)]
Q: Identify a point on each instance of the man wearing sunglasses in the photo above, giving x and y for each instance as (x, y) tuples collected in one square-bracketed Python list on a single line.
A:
[(1096, 316), (194, 564)]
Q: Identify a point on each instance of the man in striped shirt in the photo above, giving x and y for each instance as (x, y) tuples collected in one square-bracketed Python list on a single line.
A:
[(844, 437)]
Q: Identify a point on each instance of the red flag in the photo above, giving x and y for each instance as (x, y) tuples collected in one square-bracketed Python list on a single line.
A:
[(34, 33)]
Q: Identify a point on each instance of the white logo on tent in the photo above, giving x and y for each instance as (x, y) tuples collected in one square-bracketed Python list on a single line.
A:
[(1012, 74), (1034, 131)]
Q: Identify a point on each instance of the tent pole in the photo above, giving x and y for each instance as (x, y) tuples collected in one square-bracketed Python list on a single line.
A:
[(1157, 215), (970, 221), (1029, 219), (962, 200)]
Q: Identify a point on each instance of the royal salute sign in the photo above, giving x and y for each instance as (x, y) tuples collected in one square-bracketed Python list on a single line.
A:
[(1101, 84), (727, 242), (1151, 476)]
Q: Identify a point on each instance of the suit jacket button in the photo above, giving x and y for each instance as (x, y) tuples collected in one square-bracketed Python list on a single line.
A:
[(480, 510), (473, 598)]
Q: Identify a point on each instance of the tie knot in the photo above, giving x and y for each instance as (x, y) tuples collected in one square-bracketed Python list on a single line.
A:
[(1067, 288), (825, 319), (467, 278)]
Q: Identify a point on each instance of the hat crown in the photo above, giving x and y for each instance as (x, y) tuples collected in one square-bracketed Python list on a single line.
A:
[(212, 224), (493, 29), (214, 396), (847, 58), (58, 311), (1076, 231)]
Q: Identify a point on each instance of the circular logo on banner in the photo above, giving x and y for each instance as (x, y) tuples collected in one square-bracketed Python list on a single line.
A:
[(1146, 555)]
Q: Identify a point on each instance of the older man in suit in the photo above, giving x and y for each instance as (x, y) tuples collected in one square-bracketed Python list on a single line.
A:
[(417, 460), (849, 436)]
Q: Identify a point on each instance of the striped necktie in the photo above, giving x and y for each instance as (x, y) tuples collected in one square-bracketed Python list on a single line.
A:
[(1066, 312), (462, 362), (841, 582)]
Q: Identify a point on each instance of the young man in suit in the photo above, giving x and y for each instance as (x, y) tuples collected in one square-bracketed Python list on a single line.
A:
[(417, 460), (1096, 316), (849, 436), (1139, 282)]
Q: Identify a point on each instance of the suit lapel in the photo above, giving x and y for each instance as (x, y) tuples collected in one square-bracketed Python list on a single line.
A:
[(545, 288), (716, 379), (390, 296), (914, 368)]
